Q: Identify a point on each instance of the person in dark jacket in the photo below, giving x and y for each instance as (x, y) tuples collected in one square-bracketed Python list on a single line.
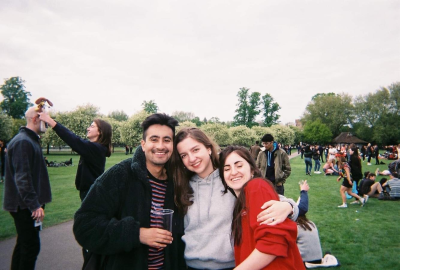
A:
[(92, 153), (116, 218), (27, 190), (308, 159)]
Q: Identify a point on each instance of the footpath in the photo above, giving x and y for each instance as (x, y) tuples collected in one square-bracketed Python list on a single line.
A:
[(59, 249)]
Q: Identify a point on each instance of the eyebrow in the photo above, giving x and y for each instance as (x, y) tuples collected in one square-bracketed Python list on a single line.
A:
[(234, 163), (156, 136)]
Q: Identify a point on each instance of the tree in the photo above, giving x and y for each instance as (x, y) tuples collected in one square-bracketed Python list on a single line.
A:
[(316, 132), (184, 125), (131, 132), (248, 108), (6, 127), (261, 131), (283, 134), (16, 99), (219, 133), (377, 115), (242, 111), (118, 115), (183, 116), (270, 110), (334, 110), (150, 107), (242, 135), (298, 135)]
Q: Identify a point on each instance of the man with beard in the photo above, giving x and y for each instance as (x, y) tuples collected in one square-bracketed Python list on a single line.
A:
[(116, 219), (27, 190)]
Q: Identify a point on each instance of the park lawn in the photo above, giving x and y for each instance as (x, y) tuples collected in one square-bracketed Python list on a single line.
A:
[(359, 237)]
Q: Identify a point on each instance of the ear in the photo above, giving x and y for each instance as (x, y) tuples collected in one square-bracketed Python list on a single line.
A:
[(143, 144)]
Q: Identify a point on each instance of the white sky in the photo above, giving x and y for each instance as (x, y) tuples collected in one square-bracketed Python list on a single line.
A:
[(194, 56)]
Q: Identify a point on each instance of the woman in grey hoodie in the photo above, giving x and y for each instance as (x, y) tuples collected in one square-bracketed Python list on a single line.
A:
[(206, 206)]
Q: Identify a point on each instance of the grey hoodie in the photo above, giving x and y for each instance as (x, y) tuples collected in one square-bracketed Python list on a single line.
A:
[(207, 225)]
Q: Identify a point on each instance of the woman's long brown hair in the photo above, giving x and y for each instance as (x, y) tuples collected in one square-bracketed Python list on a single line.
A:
[(181, 175), (240, 205)]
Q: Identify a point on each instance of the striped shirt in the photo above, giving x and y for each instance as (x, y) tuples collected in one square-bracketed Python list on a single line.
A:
[(156, 256)]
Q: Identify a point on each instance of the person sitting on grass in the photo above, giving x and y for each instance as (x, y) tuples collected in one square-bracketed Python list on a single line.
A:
[(329, 168), (308, 240)]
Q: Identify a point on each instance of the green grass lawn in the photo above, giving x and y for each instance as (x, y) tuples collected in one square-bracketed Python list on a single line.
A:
[(360, 237)]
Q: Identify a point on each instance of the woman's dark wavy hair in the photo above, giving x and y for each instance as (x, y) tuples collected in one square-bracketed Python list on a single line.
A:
[(181, 175), (304, 222), (104, 128), (241, 200)]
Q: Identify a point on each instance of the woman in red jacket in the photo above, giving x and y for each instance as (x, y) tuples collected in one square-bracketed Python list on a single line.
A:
[(256, 246)]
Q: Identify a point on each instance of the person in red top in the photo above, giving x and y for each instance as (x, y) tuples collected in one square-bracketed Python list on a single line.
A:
[(257, 246)]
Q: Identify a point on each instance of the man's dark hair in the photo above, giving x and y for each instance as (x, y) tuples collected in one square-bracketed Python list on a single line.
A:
[(371, 175), (267, 138), (257, 142), (161, 119)]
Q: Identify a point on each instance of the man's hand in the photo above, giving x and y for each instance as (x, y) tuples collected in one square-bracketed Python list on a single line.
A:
[(38, 214), (155, 237)]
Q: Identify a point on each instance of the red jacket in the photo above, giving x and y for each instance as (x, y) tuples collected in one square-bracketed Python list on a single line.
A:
[(278, 240)]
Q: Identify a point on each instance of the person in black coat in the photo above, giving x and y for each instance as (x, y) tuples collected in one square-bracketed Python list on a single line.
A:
[(93, 152), (116, 219)]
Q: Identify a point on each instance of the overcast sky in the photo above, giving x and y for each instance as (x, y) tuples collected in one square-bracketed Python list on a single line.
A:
[(194, 56)]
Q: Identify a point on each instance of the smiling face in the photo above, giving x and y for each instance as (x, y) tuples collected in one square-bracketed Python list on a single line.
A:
[(157, 145), (237, 172), (93, 132), (195, 157)]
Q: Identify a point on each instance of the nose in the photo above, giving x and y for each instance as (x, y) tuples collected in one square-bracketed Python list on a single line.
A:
[(233, 171), (192, 157)]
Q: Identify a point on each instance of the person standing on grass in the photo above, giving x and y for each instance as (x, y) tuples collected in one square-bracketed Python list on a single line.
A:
[(92, 153), (316, 156), (345, 174), (308, 159), (274, 163), (27, 189), (117, 219)]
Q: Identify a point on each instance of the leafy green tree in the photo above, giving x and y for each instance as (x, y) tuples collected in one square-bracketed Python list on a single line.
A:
[(197, 121), (334, 110), (183, 116), (377, 115), (241, 116), (242, 135), (317, 132), (118, 115), (270, 110), (248, 108), (6, 127), (298, 135), (282, 134), (150, 107), (16, 99), (131, 132), (261, 131), (219, 133), (184, 125)]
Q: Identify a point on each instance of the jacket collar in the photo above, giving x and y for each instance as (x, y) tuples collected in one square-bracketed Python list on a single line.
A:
[(30, 133)]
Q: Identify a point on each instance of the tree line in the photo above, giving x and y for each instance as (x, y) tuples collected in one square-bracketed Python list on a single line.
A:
[(374, 117)]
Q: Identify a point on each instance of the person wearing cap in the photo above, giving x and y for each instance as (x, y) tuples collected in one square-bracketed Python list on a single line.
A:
[(273, 163)]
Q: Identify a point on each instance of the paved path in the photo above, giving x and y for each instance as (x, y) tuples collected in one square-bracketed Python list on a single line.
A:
[(59, 249)]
